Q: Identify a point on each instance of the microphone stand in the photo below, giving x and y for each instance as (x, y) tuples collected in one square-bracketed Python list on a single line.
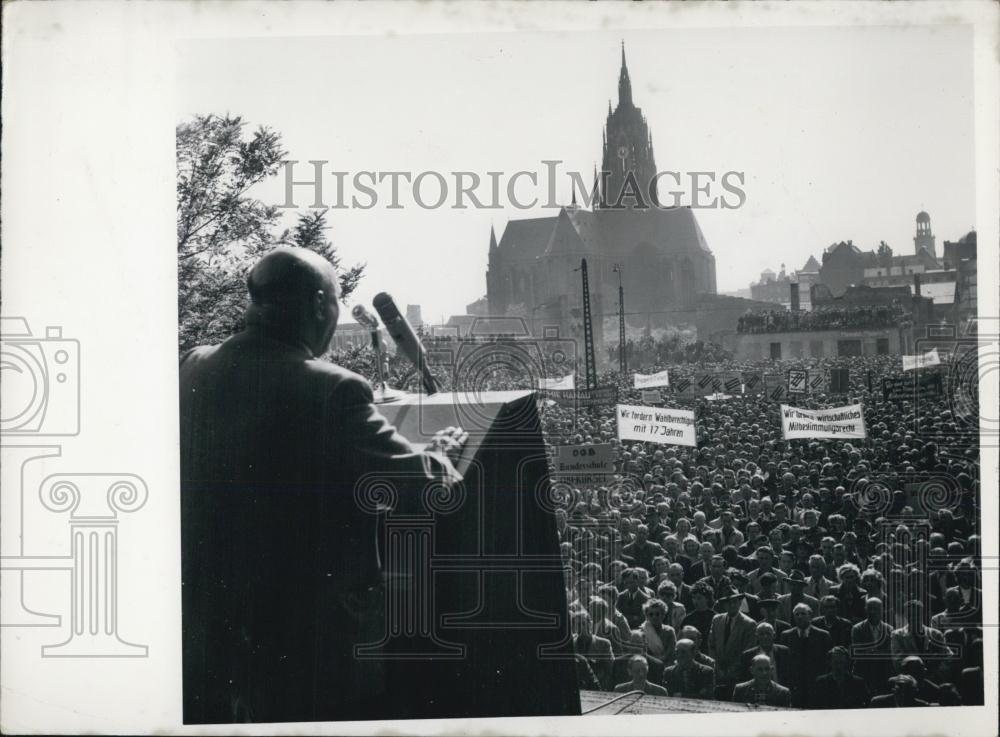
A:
[(383, 393)]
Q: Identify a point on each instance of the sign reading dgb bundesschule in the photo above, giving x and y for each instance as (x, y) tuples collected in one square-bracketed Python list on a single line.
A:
[(656, 425), (584, 463)]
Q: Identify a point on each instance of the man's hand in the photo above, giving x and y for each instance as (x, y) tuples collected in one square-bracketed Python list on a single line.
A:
[(449, 441)]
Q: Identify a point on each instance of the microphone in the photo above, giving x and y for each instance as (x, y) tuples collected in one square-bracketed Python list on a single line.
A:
[(406, 340), (364, 318)]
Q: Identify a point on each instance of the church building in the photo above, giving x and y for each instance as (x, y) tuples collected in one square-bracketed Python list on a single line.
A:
[(659, 254)]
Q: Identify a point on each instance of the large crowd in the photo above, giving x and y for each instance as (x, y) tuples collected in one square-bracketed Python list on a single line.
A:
[(824, 318), (808, 573)]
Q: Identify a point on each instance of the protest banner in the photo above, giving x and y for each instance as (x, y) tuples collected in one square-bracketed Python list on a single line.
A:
[(818, 380), (732, 382), (835, 422), (651, 395), (685, 387), (753, 382), (656, 425), (707, 382), (583, 464), (586, 397), (912, 387), (775, 387), (649, 381), (924, 360), (798, 381)]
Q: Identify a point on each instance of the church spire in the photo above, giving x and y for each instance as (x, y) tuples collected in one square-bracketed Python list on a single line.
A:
[(624, 83), (493, 239)]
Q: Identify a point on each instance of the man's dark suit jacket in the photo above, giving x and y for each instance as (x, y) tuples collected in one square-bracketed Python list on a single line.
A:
[(807, 659), (828, 693), (840, 630), (779, 658), (744, 693), (279, 563), (630, 604), (700, 681)]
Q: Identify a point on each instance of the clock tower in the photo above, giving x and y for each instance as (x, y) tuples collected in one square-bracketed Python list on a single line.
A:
[(628, 166)]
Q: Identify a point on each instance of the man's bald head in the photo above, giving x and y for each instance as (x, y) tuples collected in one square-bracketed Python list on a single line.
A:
[(294, 292), (288, 277)]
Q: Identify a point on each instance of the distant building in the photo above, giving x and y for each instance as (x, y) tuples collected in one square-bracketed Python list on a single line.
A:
[(413, 315), (772, 287), (777, 287), (961, 259), (843, 265), (924, 239)]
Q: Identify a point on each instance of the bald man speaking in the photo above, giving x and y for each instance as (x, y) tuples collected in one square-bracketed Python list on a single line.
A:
[(280, 567)]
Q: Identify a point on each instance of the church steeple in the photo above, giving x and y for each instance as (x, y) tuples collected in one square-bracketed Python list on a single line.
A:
[(624, 83), (627, 152), (493, 239)]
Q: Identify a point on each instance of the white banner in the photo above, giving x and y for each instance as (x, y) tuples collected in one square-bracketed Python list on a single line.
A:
[(566, 382), (835, 422), (648, 381), (926, 360), (656, 425)]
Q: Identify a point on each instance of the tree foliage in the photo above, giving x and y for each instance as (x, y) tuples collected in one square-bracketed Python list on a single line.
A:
[(222, 230)]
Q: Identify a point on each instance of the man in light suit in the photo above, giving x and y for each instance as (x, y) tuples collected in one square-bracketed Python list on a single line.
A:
[(730, 634), (817, 585), (280, 572)]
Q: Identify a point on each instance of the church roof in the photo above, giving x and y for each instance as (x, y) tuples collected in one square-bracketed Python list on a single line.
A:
[(612, 233), (528, 238)]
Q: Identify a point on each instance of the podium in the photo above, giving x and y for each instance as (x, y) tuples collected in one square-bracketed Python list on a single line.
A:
[(324, 603), (476, 611)]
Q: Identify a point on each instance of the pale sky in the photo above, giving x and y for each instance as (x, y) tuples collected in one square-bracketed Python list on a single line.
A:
[(842, 133)]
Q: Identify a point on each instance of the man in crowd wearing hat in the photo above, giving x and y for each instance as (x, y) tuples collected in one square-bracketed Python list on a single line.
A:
[(731, 633), (808, 646), (762, 689), (687, 677), (840, 689), (796, 595)]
